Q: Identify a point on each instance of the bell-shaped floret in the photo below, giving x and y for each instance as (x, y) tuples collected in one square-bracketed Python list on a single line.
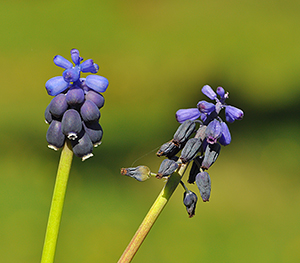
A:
[(62, 62), (187, 114), (232, 113), (213, 131), (190, 150), (190, 200), (195, 169), (140, 173), (166, 168), (75, 96), (221, 92), (211, 154), (184, 131), (56, 85), (71, 74), (71, 124), (225, 138), (95, 97), (208, 91), (204, 184), (89, 111), (89, 66), (82, 146), (205, 107), (96, 83), (54, 136), (58, 105), (168, 149), (75, 56), (94, 131)]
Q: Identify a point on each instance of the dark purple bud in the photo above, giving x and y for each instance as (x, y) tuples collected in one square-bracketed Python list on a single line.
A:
[(233, 113), (54, 136), (225, 138), (48, 115), (190, 201), (208, 91), (221, 92), (213, 131), (190, 150), (75, 96), (204, 184), (75, 56), (71, 124), (187, 114), (205, 107), (96, 83), (168, 149), (58, 105), (166, 168), (56, 85), (89, 66), (62, 62), (82, 146), (184, 131), (95, 97), (89, 111), (140, 173), (71, 74), (211, 154), (94, 131), (195, 169)]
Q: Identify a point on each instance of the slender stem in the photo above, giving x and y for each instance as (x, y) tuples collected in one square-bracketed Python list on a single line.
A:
[(152, 215), (57, 203)]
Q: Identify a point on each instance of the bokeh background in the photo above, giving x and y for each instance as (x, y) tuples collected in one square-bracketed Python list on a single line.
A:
[(157, 55)]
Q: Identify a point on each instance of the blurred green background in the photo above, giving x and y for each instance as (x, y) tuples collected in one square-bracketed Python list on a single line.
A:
[(157, 55)]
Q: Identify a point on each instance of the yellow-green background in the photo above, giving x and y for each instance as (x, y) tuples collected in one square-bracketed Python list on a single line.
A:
[(157, 55)]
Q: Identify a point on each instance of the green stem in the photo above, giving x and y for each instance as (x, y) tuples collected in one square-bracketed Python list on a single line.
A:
[(152, 215), (57, 203)]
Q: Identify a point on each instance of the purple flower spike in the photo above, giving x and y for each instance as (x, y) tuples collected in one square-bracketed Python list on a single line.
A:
[(71, 74), (89, 66), (213, 131), (96, 83), (75, 56), (208, 91), (205, 107), (62, 62), (187, 114), (225, 138), (56, 85), (233, 113)]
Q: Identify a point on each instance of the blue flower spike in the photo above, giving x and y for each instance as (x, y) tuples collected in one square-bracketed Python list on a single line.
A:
[(75, 106)]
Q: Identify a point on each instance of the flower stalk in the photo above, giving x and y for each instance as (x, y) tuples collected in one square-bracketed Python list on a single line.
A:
[(152, 215), (57, 203)]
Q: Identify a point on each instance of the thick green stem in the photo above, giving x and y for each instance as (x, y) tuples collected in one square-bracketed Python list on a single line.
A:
[(152, 215), (57, 203)]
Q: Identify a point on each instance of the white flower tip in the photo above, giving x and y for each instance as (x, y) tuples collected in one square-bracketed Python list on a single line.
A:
[(52, 147), (87, 156)]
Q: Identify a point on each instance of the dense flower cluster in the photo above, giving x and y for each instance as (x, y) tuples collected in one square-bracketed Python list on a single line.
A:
[(73, 114), (203, 149)]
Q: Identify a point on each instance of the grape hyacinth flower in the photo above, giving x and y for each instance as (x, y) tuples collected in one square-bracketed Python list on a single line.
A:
[(75, 106), (201, 146), (73, 117)]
